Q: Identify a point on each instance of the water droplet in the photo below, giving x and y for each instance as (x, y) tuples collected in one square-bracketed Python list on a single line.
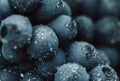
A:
[(67, 25), (10, 56), (29, 41), (99, 79), (15, 47), (51, 49), (15, 7), (28, 79), (21, 74), (4, 41), (36, 42)]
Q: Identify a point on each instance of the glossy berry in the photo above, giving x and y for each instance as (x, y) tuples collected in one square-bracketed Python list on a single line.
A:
[(12, 55), (8, 75), (5, 9), (24, 6), (65, 28), (108, 30), (48, 68), (71, 72), (15, 30), (85, 28), (31, 76), (86, 55), (49, 10), (44, 42), (103, 73)]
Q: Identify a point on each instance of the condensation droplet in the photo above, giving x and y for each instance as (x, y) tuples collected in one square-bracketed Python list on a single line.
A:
[(21, 74), (15, 47)]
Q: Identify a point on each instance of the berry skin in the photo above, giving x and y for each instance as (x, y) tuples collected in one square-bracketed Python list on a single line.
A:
[(24, 6), (89, 7), (65, 28), (8, 75), (12, 55), (112, 54), (31, 76), (103, 73), (48, 68), (107, 30), (71, 72), (109, 8), (86, 55), (5, 9), (82, 53), (102, 58), (44, 42), (85, 28), (16, 30), (75, 7), (49, 10), (86, 7), (65, 10)]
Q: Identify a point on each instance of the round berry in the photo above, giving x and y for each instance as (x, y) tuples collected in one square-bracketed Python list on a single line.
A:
[(16, 30), (71, 72), (44, 42)]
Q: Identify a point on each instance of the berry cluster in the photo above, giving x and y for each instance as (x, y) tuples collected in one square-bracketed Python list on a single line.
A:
[(59, 40)]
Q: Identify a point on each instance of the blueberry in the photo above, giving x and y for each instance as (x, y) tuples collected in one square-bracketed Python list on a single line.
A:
[(31, 76), (108, 30), (86, 55), (85, 28), (103, 73), (75, 6), (65, 28), (49, 10), (24, 6), (5, 9), (65, 10), (48, 68), (7, 75), (102, 58), (112, 53), (109, 7), (82, 53), (12, 55), (86, 7), (16, 30), (89, 7), (44, 42), (71, 72)]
